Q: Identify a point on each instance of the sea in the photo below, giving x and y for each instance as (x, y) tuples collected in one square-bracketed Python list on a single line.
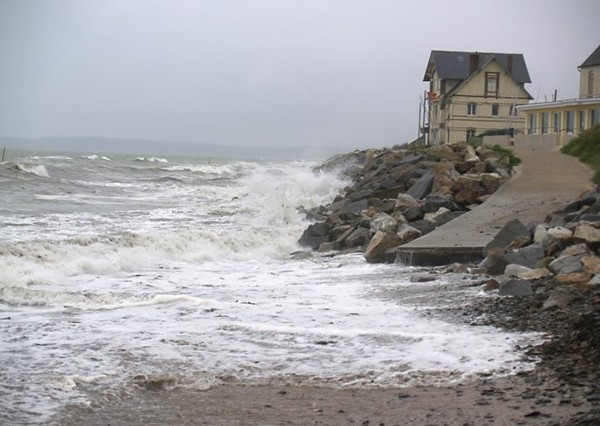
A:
[(118, 269)]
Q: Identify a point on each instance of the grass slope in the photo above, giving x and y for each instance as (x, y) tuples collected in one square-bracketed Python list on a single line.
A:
[(586, 147)]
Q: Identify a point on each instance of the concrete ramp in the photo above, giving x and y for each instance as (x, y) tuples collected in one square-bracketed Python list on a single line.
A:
[(544, 182)]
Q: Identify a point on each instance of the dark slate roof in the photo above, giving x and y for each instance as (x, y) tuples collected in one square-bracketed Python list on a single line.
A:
[(456, 65), (593, 59)]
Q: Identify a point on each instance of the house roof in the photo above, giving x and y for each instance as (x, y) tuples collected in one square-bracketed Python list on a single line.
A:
[(457, 65), (593, 59)]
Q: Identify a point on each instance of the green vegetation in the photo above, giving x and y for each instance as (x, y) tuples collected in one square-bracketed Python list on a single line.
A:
[(506, 154), (586, 147)]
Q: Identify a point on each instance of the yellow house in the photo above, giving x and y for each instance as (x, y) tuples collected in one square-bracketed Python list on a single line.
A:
[(474, 92), (553, 124)]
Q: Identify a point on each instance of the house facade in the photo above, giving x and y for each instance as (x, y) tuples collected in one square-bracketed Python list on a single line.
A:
[(554, 124), (474, 92)]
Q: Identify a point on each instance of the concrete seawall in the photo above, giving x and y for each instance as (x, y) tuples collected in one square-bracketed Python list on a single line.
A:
[(544, 182)]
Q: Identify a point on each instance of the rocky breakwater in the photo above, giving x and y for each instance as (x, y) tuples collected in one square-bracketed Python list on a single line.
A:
[(548, 278), (398, 195)]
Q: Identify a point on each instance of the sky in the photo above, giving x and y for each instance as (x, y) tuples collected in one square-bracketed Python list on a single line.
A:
[(341, 74)]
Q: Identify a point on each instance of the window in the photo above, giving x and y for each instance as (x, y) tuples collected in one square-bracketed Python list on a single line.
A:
[(556, 122), (544, 123), (581, 121), (570, 116), (491, 83), (495, 108), (590, 88), (471, 108), (532, 123), (470, 133), (594, 117)]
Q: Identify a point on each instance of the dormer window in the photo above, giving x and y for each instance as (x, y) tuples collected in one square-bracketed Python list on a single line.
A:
[(491, 83)]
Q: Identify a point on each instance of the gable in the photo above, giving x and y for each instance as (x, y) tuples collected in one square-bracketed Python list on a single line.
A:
[(475, 83)]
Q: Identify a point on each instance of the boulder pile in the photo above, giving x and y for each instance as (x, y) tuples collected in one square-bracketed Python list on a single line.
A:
[(398, 195), (564, 249)]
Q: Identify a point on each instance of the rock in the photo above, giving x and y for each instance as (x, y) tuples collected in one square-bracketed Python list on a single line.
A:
[(519, 242), (408, 233), (595, 280), (494, 263), (383, 222), (410, 159), (422, 278), (573, 278), (490, 182), (423, 225), (422, 187), (566, 265), (314, 235), (591, 264), (556, 235), (433, 203), (507, 234), (467, 189), (413, 213), (518, 288), (443, 215), (329, 246), (587, 232), (575, 250), (405, 200), (513, 270), (359, 237), (381, 241), (528, 256), (561, 297), (355, 206), (534, 274), (540, 233), (491, 285), (471, 155)]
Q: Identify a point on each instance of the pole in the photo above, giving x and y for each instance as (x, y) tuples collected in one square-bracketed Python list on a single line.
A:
[(419, 123), (3, 154)]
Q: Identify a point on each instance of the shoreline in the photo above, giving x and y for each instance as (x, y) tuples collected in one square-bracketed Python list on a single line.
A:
[(560, 390), (531, 398)]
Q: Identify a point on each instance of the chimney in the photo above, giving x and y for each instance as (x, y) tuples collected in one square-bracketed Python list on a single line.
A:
[(509, 64), (473, 62)]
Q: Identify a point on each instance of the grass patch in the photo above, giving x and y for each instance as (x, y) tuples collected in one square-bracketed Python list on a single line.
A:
[(505, 154), (586, 147)]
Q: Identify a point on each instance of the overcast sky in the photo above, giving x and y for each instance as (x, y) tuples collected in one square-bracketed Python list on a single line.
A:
[(340, 73)]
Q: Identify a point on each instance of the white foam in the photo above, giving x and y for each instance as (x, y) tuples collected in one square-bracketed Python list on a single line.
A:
[(152, 159), (34, 169)]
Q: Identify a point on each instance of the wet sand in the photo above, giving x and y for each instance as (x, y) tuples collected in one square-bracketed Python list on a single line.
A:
[(525, 399)]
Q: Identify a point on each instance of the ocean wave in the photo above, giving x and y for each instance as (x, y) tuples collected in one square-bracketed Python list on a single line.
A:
[(95, 157), (33, 168), (152, 159)]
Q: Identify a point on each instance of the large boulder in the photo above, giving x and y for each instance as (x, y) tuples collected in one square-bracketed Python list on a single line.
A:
[(422, 187), (383, 222), (438, 218), (314, 235), (405, 200), (587, 232), (528, 256), (380, 243), (518, 288), (566, 265), (507, 234), (359, 237), (408, 233)]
